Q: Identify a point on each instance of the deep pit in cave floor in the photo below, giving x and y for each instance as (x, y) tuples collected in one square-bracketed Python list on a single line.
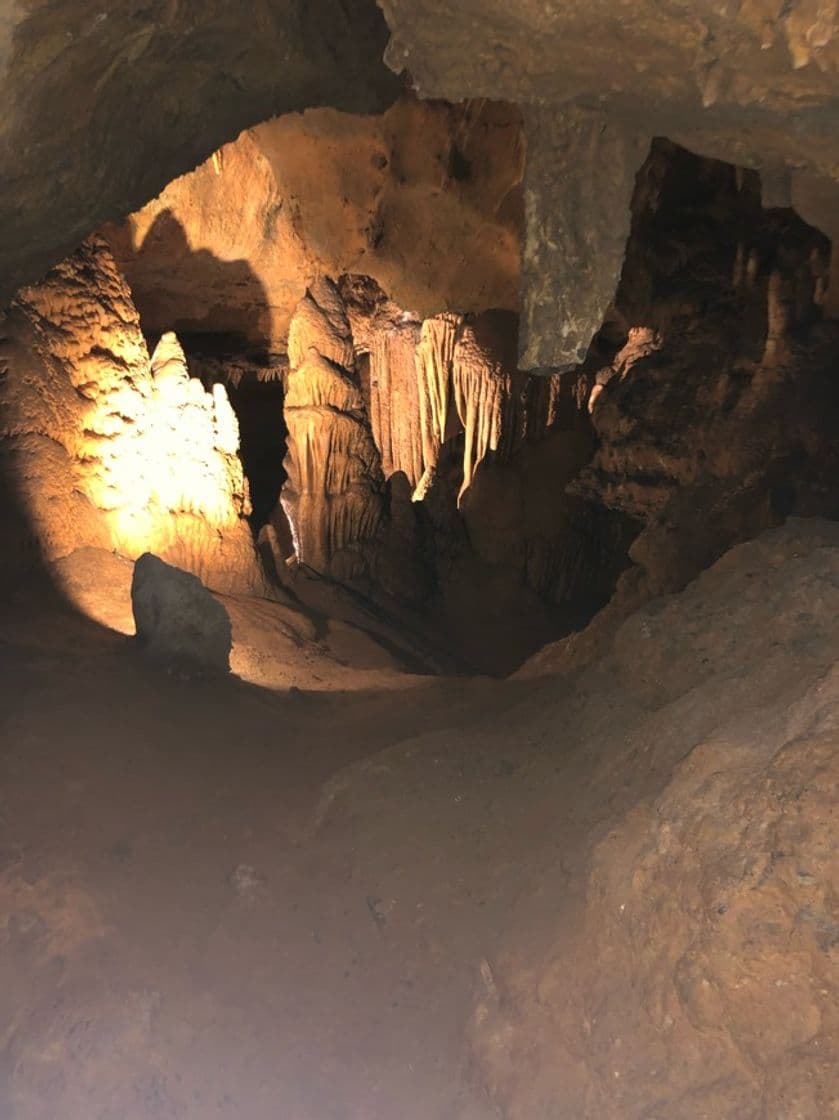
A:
[(478, 404)]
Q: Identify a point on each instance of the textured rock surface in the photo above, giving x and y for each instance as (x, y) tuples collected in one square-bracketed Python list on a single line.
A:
[(476, 457), (143, 93), (333, 496), (109, 448), (715, 417), (693, 970), (178, 621), (425, 198), (578, 189), (697, 74), (754, 83)]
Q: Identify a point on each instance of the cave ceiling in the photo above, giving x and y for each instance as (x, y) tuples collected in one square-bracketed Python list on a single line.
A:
[(106, 101), (751, 82), (105, 104)]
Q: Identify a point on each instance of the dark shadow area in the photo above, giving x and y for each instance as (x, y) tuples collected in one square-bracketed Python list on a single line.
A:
[(253, 381), (190, 291)]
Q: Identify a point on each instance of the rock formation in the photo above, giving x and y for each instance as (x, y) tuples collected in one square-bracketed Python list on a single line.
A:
[(424, 198), (434, 372), (754, 84), (698, 975), (333, 496), (109, 448), (578, 162), (179, 623), (715, 415), (476, 457)]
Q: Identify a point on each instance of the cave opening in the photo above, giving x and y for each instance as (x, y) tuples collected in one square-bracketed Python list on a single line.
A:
[(363, 410), (351, 286)]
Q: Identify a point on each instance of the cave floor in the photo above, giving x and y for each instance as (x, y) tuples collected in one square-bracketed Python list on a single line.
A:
[(609, 895), (190, 924)]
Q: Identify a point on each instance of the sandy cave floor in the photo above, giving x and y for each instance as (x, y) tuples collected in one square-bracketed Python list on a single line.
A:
[(182, 933), (219, 899)]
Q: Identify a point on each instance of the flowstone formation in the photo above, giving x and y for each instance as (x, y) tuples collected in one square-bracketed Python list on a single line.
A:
[(333, 496), (108, 447)]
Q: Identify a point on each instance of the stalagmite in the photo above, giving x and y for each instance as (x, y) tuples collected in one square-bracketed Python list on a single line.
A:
[(147, 458), (333, 496)]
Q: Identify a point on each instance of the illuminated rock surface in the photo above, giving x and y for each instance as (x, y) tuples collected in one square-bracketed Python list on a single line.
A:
[(425, 199), (110, 448), (117, 99)]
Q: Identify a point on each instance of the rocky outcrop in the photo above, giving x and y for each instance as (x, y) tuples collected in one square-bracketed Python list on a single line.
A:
[(333, 495), (675, 955), (575, 237), (109, 448), (154, 89), (425, 199), (178, 621), (715, 412)]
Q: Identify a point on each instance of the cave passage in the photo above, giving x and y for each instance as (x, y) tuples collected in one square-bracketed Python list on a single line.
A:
[(401, 732)]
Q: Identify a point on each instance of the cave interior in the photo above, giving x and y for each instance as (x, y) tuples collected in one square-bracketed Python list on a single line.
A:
[(418, 487)]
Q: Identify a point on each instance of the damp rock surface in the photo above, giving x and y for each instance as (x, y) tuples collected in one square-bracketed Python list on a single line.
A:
[(179, 622)]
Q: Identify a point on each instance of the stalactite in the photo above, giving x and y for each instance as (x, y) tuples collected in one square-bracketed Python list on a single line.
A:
[(433, 368), (482, 393), (395, 400), (429, 382)]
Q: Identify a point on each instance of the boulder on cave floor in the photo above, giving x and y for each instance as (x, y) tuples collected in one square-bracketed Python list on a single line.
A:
[(179, 622)]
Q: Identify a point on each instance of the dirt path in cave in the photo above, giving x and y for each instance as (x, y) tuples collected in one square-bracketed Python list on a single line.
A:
[(188, 931), (431, 899)]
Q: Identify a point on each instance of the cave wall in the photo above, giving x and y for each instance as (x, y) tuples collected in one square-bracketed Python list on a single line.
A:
[(156, 89), (424, 198), (714, 416)]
